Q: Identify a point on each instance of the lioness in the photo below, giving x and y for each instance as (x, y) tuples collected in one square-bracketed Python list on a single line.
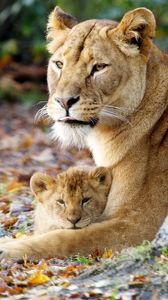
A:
[(108, 91), (72, 200)]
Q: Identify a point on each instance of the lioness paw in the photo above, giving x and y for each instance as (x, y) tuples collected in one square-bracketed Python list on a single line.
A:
[(11, 250)]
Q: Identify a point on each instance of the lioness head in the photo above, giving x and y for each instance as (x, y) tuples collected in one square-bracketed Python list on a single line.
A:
[(73, 199), (97, 71)]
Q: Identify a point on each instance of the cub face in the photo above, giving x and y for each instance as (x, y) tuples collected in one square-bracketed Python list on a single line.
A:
[(72, 200)]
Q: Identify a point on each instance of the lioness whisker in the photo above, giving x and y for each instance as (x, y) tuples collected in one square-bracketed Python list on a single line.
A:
[(42, 114), (40, 102), (115, 115), (115, 107)]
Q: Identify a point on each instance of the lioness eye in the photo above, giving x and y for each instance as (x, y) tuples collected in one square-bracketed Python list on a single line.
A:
[(97, 68), (60, 201), (85, 200), (59, 64)]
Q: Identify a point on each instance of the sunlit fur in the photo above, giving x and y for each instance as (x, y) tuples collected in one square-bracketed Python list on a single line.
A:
[(109, 95), (71, 186), (129, 97)]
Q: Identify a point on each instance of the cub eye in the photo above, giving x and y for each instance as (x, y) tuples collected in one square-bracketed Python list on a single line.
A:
[(85, 200), (97, 68), (61, 202), (58, 63)]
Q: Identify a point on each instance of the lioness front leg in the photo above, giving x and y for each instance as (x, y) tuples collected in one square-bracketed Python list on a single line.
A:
[(54, 243), (18, 248), (114, 234), (6, 239)]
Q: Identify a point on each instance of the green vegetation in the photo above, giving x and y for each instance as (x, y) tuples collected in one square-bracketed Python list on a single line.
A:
[(23, 22), (10, 94), (2, 188), (165, 251), (82, 260), (143, 252), (22, 38)]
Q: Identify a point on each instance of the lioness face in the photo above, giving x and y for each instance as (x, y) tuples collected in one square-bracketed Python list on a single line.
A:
[(97, 71), (74, 199)]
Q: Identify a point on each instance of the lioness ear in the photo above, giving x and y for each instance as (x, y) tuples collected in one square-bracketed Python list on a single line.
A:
[(102, 175), (40, 182), (59, 24), (134, 33)]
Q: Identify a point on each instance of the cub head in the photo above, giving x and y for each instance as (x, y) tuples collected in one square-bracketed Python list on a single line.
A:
[(97, 71), (73, 199)]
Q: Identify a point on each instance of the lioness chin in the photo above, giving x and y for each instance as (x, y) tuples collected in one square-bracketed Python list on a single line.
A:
[(108, 91)]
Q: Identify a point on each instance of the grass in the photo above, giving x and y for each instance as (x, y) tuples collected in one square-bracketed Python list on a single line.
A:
[(165, 251), (82, 260)]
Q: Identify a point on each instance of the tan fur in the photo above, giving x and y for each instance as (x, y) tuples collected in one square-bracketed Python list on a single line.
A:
[(72, 187), (129, 98)]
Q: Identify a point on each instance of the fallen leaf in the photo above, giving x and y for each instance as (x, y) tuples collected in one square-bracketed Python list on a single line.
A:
[(138, 281), (38, 278), (4, 207), (107, 254), (42, 265), (72, 271), (45, 155), (20, 234), (26, 142), (15, 290), (9, 222), (14, 186), (139, 278)]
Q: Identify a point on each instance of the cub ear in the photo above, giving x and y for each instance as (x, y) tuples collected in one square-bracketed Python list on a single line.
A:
[(59, 24), (134, 33), (40, 182), (102, 175)]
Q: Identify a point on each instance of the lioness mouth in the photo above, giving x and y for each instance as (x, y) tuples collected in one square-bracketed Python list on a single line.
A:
[(72, 120)]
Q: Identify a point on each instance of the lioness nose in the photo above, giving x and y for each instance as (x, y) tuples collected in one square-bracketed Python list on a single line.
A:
[(67, 102), (74, 220)]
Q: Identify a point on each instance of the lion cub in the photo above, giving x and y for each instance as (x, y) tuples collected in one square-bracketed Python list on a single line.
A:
[(72, 200)]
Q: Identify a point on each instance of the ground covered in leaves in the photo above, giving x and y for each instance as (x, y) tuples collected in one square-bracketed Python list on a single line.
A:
[(138, 273)]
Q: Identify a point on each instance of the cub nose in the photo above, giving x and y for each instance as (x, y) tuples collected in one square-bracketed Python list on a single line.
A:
[(67, 102), (74, 220)]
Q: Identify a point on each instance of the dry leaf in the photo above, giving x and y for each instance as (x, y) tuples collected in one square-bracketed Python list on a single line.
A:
[(14, 186), (38, 278), (9, 222), (72, 271), (139, 278), (138, 281), (42, 265), (20, 234), (107, 254), (26, 142)]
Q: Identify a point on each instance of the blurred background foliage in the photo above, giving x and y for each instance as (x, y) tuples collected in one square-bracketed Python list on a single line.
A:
[(23, 56)]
